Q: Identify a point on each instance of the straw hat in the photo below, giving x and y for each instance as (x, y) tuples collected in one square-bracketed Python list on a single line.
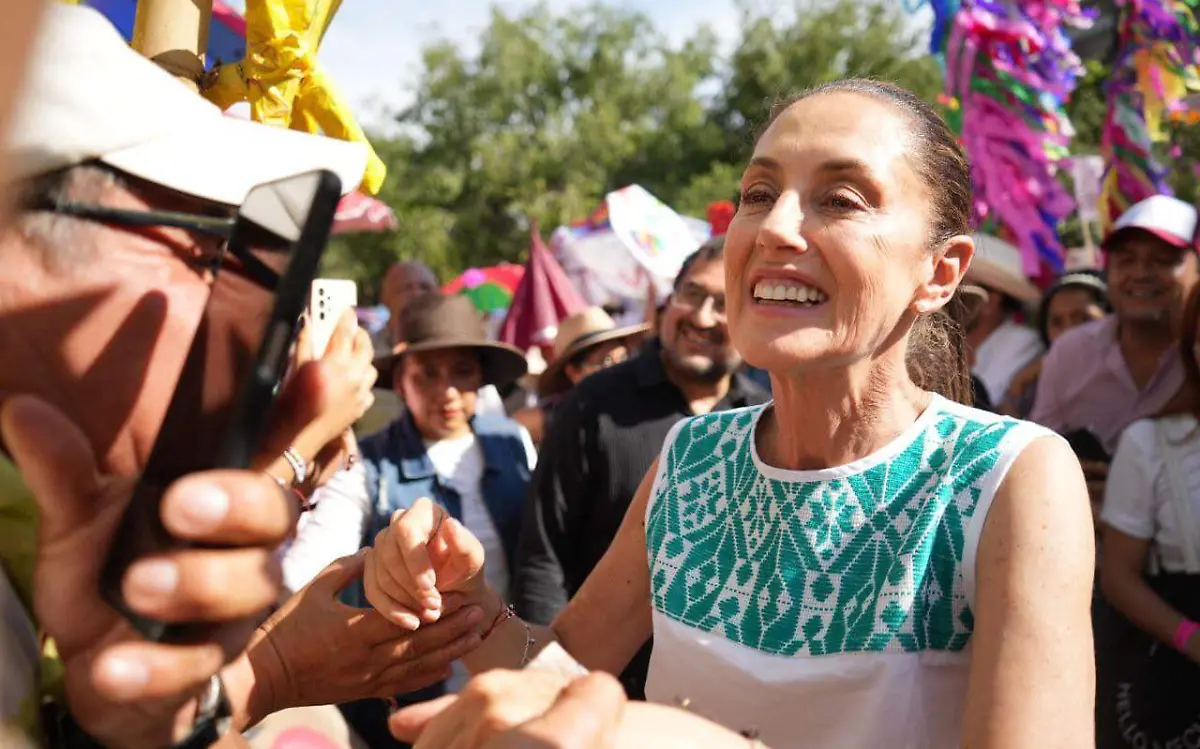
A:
[(998, 265), (576, 334), (434, 322)]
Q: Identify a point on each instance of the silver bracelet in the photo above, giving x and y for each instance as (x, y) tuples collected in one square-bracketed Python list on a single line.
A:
[(298, 464), (529, 643)]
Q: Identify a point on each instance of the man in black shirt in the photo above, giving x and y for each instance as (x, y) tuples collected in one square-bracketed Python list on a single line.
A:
[(611, 427)]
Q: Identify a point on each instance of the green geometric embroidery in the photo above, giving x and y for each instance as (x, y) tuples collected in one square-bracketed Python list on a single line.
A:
[(870, 562)]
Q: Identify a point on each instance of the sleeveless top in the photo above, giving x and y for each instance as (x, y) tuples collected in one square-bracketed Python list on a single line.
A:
[(823, 608)]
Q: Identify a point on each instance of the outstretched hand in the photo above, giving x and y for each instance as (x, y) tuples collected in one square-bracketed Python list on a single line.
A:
[(423, 554)]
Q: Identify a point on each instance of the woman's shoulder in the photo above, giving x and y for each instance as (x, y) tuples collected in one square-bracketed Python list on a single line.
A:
[(720, 422), (973, 431)]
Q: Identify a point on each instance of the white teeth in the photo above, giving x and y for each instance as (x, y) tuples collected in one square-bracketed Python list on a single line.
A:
[(788, 292)]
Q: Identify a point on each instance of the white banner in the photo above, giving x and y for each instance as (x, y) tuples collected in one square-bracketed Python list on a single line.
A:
[(1087, 173)]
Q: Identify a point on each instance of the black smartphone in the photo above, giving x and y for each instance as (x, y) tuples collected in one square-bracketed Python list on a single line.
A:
[(1087, 446), (219, 410)]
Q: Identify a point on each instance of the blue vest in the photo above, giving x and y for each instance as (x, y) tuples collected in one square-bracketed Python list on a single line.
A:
[(399, 473)]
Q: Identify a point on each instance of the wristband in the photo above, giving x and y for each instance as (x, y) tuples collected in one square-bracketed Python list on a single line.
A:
[(1183, 633), (298, 464)]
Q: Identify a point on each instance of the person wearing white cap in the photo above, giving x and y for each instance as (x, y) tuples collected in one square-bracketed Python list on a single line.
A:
[(1002, 345), (1100, 377), (116, 169)]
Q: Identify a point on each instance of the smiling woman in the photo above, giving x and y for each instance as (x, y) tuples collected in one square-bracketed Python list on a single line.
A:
[(849, 565)]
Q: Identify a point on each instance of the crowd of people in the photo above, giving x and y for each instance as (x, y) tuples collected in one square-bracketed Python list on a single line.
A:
[(857, 483)]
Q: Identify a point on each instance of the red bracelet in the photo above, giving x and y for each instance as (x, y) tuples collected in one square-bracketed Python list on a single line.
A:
[(1183, 633), (508, 612)]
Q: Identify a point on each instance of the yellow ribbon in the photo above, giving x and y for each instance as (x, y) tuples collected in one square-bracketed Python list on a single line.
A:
[(283, 81), (1161, 98)]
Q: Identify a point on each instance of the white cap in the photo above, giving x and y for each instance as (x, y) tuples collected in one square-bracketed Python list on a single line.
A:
[(1170, 219), (88, 95)]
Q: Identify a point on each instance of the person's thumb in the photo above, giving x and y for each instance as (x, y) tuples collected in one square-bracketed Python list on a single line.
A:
[(340, 573), (78, 509)]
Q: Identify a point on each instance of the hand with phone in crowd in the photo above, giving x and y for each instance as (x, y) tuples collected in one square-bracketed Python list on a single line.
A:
[(328, 387)]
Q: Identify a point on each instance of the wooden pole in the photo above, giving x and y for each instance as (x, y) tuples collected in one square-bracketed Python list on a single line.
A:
[(174, 34)]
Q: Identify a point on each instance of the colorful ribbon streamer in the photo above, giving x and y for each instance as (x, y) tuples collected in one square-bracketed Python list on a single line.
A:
[(1009, 69), (1158, 51), (283, 81)]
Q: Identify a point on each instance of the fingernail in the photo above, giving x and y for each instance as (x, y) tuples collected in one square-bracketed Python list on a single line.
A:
[(127, 677), (408, 621), (432, 600), (428, 580), (155, 577), (203, 507), (431, 615), (474, 615)]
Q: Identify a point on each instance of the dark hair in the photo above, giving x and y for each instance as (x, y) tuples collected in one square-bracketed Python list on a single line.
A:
[(1084, 280), (937, 354), (712, 249)]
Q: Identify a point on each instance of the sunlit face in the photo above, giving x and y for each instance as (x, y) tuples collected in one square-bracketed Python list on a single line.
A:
[(120, 327), (828, 258), (440, 389), (1069, 308), (403, 282), (693, 329), (1148, 279)]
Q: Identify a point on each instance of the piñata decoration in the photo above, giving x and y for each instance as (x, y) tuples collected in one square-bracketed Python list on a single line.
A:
[(1158, 50), (282, 79), (1009, 70)]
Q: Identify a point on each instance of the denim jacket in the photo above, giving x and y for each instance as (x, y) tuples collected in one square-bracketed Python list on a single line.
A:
[(399, 472)]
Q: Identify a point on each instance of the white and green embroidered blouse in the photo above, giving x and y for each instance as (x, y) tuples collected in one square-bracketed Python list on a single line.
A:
[(824, 608)]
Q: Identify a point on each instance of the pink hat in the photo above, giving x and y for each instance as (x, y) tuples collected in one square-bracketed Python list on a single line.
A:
[(1169, 219)]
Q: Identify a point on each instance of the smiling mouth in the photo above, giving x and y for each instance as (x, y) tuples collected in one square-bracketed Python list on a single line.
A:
[(788, 293), (699, 337)]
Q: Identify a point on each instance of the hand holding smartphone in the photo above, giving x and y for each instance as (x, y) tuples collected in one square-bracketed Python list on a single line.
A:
[(218, 413)]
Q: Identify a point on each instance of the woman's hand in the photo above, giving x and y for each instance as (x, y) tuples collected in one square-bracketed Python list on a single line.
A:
[(348, 375), (423, 554), (315, 650), (320, 402), (513, 709)]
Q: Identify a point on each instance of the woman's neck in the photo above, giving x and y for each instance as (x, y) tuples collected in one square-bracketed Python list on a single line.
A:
[(832, 418)]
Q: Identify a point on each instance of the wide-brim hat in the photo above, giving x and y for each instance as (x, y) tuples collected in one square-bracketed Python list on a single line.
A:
[(577, 334), (998, 265), (434, 322)]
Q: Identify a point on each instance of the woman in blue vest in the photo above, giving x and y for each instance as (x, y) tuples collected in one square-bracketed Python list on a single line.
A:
[(474, 466)]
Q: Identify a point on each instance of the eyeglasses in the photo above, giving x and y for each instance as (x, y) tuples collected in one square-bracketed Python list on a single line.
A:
[(693, 298), (239, 258)]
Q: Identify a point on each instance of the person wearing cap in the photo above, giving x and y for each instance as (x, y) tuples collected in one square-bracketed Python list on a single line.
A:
[(1074, 299), (585, 343), (1001, 344), (96, 318), (477, 466), (1100, 377), (607, 431)]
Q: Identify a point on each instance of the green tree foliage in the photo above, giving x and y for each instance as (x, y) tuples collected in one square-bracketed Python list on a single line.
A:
[(557, 109)]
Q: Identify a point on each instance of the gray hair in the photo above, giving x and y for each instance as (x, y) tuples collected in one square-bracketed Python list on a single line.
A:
[(62, 241)]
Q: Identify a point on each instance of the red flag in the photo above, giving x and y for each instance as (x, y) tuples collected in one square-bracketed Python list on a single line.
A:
[(544, 297)]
